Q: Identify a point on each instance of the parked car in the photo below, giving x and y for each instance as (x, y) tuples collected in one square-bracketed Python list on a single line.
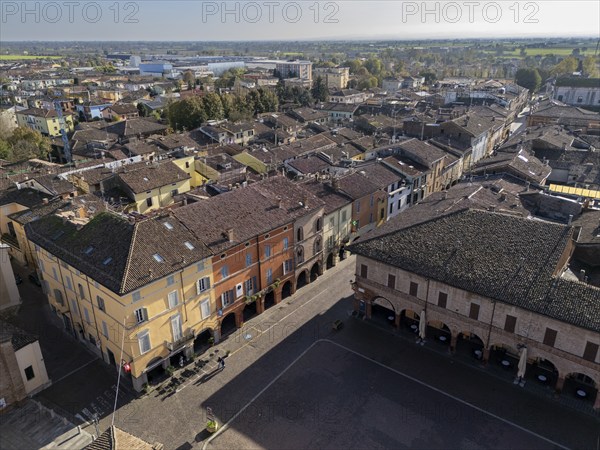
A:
[(18, 279), (34, 279)]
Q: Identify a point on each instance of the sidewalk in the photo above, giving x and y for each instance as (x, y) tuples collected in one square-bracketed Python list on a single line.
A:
[(545, 392)]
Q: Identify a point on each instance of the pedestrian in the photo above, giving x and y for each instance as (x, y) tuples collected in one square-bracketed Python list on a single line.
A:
[(221, 362)]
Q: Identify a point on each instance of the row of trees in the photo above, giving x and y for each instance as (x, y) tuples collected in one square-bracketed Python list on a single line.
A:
[(532, 77), (191, 112)]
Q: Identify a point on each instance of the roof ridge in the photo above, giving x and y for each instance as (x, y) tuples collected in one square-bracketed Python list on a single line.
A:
[(443, 216), (129, 257)]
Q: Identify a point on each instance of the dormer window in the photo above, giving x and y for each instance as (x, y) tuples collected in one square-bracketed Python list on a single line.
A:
[(158, 258)]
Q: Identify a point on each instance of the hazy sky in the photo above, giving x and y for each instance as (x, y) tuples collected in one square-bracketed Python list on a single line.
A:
[(299, 20)]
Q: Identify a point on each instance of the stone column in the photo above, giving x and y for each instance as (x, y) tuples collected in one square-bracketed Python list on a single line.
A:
[(138, 382), (486, 355), (397, 321), (239, 318), (336, 257), (369, 307), (597, 401), (217, 334), (278, 295), (559, 385), (260, 305), (453, 340)]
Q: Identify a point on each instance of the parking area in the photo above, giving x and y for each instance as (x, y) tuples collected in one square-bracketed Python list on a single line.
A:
[(332, 397)]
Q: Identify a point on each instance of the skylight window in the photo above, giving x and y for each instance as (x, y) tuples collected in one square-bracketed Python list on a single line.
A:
[(158, 258), (146, 179), (107, 261), (168, 226), (189, 245), (89, 250)]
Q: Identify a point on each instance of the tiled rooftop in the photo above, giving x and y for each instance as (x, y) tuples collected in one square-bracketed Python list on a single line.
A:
[(510, 259)]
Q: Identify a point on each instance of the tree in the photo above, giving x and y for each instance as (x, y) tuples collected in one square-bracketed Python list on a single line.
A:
[(188, 113), (566, 67), (319, 90), (354, 65), (141, 109), (269, 100), (529, 78), (189, 79), (213, 108), (23, 143), (590, 67), (373, 65), (430, 77)]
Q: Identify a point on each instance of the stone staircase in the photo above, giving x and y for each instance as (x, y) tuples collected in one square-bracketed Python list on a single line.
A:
[(33, 426)]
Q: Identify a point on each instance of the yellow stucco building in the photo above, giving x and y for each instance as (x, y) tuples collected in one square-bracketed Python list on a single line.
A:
[(46, 121), (147, 293)]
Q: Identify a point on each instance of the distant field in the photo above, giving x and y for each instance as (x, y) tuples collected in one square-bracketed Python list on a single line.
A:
[(18, 57), (544, 51)]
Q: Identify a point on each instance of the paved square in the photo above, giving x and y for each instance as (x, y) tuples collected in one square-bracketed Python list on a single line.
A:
[(331, 397)]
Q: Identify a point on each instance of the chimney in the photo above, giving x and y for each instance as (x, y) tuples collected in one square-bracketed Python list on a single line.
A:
[(335, 183), (45, 201), (279, 202), (570, 219), (230, 234), (527, 186), (582, 275), (445, 195), (305, 200)]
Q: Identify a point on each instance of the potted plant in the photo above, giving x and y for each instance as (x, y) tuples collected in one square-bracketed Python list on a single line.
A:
[(211, 341), (212, 426), (169, 370), (276, 283), (337, 325), (145, 388)]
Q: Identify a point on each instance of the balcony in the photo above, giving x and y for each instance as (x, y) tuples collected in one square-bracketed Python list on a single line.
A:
[(181, 342)]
